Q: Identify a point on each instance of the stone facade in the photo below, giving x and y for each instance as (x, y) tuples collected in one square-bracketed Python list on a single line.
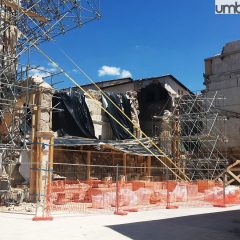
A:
[(222, 74)]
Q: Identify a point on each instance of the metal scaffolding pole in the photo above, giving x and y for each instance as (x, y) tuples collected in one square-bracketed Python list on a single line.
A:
[(22, 23), (200, 136)]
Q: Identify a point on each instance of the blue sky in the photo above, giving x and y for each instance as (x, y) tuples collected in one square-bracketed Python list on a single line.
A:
[(147, 38)]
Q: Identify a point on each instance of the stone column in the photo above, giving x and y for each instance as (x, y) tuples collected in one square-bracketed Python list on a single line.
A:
[(42, 140)]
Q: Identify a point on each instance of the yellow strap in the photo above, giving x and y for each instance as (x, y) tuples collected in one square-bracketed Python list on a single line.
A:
[(100, 105), (136, 126)]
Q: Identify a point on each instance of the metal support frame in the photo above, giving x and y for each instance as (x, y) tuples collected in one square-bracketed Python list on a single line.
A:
[(199, 136), (21, 24)]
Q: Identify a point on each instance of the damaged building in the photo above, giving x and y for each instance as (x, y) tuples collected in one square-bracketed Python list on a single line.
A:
[(144, 130), (222, 76), (153, 96), (85, 134), (222, 80), (144, 101)]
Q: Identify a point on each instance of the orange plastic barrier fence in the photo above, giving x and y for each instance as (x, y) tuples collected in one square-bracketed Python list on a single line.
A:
[(101, 196)]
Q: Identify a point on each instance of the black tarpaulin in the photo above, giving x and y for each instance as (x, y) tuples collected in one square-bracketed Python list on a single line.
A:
[(75, 119), (123, 103)]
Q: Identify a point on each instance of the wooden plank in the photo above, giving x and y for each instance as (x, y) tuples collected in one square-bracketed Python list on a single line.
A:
[(234, 176), (124, 164), (149, 164), (233, 165), (29, 13), (233, 168), (86, 151), (88, 167), (232, 180), (51, 157), (39, 179)]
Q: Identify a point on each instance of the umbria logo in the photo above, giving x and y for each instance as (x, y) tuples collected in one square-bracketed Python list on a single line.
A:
[(227, 6)]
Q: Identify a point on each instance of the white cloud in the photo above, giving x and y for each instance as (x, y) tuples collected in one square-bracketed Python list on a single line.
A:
[(108, 70), (42, 71), (113, 71), (125, 74)]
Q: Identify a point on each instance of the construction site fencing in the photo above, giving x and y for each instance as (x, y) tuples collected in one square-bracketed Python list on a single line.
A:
[(121, 195), (102, 189)]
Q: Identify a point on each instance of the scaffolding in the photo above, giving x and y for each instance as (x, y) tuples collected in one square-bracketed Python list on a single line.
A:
[(190, 136), (197, 142), (23, 25)]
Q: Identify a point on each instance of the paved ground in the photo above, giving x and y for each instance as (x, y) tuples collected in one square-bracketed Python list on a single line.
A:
[(177, 224), (224, 226)]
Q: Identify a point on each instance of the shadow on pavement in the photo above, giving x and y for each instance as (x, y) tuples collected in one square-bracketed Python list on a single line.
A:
[(214, 226)]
